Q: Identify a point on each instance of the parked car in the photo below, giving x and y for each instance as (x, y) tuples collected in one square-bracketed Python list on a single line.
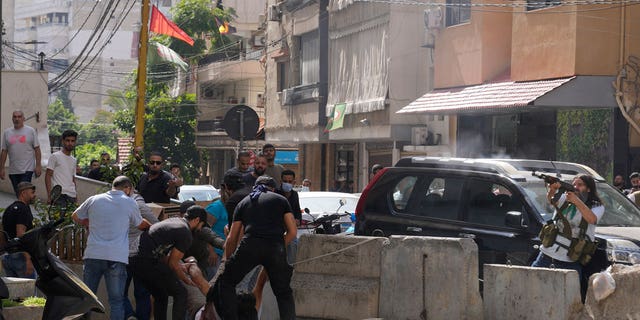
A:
[(322, 203), (496, 202), (203, 192)]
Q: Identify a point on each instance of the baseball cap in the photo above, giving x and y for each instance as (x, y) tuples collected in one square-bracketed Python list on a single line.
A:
[(196, 211), (25, 185)]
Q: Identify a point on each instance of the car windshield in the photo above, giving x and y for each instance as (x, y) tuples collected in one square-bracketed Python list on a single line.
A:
[(198, 195), (619, 211), (328, 205)]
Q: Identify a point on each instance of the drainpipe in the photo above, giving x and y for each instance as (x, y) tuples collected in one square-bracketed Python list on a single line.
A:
[(323, 89)]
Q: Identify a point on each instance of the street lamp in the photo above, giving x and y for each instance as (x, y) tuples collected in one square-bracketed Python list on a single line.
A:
[(41, 55)]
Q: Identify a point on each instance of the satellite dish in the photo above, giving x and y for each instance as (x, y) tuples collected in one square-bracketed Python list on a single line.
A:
[(241, 123)]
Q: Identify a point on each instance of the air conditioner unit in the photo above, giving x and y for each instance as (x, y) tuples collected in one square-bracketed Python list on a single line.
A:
[(274, 13), (286, 97), (433, 18), (259, 41)]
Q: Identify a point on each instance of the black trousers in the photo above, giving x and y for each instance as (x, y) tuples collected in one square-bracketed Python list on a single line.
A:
[(271, 254), (161, 282)]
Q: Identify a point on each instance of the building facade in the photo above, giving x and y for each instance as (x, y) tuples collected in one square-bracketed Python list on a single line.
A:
[(366, 58), (534, 82)]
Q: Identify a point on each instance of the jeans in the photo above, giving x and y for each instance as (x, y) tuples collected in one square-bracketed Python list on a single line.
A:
[(544, 261), (115, 276), (17, 178), (15, 265), (161, 282), (252, 252), (143, 298)]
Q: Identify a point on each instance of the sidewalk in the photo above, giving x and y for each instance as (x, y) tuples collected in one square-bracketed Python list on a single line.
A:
[(6, 199)]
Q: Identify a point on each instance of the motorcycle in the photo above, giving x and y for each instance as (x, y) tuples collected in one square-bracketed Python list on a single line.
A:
[(67, 295), (326, 224)]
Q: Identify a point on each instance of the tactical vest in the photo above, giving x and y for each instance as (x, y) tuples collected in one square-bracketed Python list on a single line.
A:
[(578, 249)]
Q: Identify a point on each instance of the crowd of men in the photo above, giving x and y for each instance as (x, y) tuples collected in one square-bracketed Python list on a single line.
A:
[(198, 258)]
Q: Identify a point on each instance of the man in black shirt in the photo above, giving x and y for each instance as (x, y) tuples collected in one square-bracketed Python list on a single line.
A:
[(259, 169), (286, 189), (265, 217), (204, 240), (157, 263), (17, 220), (157, 185)]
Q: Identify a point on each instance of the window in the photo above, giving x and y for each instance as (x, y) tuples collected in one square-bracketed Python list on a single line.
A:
[(283, 75), (538, 4), (402, 192), (437, 197), (458, 12), (489, 203), (309, 58)]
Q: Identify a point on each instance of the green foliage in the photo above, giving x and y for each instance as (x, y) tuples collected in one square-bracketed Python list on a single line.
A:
[(86, 152), (583, 137), (100, 129), (198, 19), (59, 119), (46, 213), (28, 302)]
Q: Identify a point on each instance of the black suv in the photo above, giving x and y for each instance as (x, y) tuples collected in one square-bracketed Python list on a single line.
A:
[(498, 203)]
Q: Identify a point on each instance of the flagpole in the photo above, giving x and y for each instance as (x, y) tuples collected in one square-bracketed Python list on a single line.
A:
[(142, 74)]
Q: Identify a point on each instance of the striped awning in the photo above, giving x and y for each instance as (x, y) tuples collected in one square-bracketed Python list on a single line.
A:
[(495, 97)]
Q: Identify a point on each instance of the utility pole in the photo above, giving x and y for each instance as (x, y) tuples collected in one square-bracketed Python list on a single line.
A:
[(142, 75)]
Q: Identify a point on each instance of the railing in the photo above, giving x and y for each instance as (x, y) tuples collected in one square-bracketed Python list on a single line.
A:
[(70, 243)]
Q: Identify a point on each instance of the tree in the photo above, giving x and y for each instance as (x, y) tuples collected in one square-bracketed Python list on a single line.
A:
[(100, 129), (169, 128), (198, 18), (60, 119), (90, 151)]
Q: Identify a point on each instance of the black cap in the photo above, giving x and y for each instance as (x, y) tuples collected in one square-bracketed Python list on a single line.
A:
[(196, 211), (233, 180), (267, 181)]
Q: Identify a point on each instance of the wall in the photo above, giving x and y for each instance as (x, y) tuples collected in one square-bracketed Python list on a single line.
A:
[(544, 43), (27, 91)]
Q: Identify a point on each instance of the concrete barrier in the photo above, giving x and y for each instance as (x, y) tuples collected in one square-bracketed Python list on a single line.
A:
[(516, 292), (430, 278), (20, 287), (623, 302), (85, 187), (337, 277)]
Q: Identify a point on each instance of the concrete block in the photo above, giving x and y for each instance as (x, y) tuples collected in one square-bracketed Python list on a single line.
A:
[(430, 278), (337, 277), (516, 292), (23, 313), (623, 302), (20, 287)]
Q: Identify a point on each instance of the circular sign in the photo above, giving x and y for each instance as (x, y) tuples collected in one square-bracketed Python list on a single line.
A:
[(244, 115)]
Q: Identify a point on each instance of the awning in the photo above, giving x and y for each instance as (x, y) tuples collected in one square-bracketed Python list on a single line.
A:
[(512, 96)]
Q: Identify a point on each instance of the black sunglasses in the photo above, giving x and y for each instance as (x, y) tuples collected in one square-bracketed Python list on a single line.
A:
[(155, 162)]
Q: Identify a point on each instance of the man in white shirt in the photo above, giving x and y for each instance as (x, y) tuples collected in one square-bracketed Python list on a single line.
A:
[(61, 170), (21, 144)]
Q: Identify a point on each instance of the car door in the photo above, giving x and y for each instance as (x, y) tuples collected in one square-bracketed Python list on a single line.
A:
[(428, 203), (485, 211)]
